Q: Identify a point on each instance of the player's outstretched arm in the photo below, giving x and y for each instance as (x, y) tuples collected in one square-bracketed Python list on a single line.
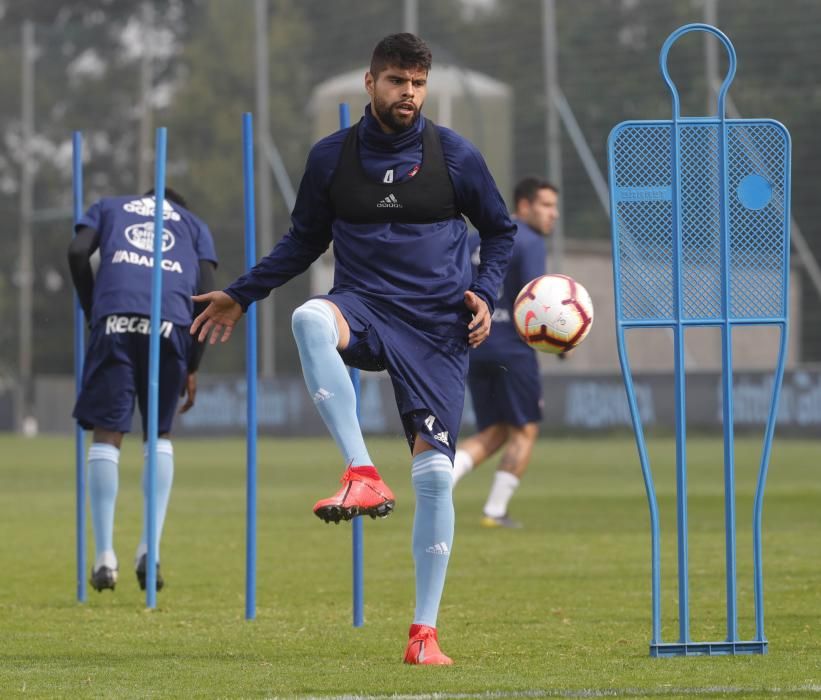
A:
[(218, 319), (480, 325)]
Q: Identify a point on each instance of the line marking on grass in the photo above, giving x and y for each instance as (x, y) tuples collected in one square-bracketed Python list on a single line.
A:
[(585, 693)]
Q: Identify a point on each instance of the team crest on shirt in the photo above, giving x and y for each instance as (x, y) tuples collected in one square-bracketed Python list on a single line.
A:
[(141, 236), (145, 207)]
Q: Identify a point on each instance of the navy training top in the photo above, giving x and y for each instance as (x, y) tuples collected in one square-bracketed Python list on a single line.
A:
[(527, 261), (420, 270), (125, 236)]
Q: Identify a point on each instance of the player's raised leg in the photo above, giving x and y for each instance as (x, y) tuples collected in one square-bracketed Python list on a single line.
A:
[(432, 541), (321, 331), (103, 483)]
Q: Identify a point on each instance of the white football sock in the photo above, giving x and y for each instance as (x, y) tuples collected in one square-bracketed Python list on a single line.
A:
[(462, 464), (107, 558), (504, 486)]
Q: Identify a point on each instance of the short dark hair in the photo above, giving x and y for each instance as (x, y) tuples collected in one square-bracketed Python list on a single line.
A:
[(401, 50), (171, 195), (529, 186)]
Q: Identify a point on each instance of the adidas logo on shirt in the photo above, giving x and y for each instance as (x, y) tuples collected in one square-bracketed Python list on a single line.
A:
[(390, 202), (145, 207), (442, 437), (441, 548)]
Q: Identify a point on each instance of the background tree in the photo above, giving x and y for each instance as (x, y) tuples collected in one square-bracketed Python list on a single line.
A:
[(88, 76)]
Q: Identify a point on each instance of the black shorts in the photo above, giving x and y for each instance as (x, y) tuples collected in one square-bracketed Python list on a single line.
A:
[(116, 372), (508, 393), (427, 367)]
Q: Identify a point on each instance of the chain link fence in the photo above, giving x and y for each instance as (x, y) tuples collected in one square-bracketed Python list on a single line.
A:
[(117, 70)]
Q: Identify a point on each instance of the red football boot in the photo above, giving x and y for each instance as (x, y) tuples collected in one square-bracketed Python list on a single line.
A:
[(423, 647), (359, 495)]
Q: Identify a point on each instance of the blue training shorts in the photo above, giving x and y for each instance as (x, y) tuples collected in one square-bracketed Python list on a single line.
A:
[(427, 367), (506, 393), (116, 372)]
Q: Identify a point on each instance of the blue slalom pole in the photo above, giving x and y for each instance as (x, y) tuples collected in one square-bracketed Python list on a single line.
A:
[(250, 374), (79, 351), (358, 532), (154, 369), (358, 540)]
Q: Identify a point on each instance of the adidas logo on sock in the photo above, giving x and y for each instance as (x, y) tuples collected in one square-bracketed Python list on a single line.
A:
[(440, 548), (322, 395), (390, 201)]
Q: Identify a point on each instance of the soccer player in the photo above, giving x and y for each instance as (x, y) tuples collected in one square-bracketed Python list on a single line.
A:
[(117, 306), (390, 192), (504, 375)]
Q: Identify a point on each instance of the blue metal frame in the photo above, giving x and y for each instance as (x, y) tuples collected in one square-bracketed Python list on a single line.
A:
[(357, 530), (250, 374), (154, 369), (624, 160), (79, 357)]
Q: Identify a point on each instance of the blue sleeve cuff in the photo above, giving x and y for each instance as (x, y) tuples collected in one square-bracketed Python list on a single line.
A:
[(487, 298), (244, 303)]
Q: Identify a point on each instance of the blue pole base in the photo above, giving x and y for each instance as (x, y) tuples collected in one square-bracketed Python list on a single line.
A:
[(708, 648)]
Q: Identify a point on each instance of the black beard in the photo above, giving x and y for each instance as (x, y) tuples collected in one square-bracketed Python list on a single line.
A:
[(386, 116)]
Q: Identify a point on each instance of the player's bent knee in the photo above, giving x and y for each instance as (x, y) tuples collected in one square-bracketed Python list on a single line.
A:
[(488, 441), (314, 321), (526, 433), (499, 432), (531, 430), (108, 437)]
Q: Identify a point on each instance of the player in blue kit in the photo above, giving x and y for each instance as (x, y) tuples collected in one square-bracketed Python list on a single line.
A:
[(117, 306), (504, 375), (390, 192)]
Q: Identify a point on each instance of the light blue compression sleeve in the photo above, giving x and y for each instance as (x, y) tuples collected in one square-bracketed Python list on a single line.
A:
[(164, 481), (433, 522), (103, 481), (327, 378)]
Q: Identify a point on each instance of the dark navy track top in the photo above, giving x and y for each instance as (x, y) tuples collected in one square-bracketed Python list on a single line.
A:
[(125, 235), (527, 262), (420, 270)]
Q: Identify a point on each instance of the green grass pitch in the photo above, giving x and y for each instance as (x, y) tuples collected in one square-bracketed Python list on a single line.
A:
[(560, 608)]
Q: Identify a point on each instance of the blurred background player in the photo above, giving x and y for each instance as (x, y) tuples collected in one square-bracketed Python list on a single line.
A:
[(117, 306), (504, 380), (390, 193)]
